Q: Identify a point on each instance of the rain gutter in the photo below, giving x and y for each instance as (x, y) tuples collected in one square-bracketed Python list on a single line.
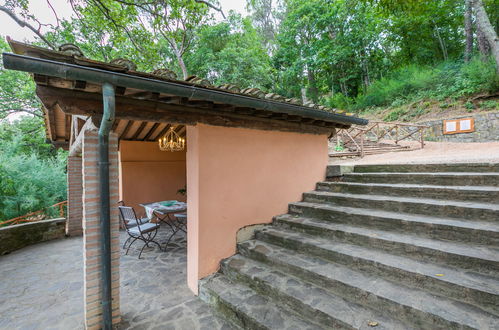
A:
[(108, 98)]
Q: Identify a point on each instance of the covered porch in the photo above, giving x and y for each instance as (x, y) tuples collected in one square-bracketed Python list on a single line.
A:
[(248, 155)]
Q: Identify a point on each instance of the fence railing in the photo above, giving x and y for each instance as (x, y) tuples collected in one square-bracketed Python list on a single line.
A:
[(391, 133), (35, 216)]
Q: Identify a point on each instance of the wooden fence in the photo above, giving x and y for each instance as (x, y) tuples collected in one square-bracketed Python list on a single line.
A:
[(36, 216), (378, 137)]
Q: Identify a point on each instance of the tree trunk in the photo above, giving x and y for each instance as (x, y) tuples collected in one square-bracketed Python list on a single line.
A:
[(182, 66), (441, 42), (312, 86), (483, 23), (483, 44), (367, 79), (468, 28), (304, 98)]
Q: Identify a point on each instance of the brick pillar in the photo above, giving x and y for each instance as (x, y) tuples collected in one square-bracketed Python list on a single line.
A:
[(91, 230), (75, 192)]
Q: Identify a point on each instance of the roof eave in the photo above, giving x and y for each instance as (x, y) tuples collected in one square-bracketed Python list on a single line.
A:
[(98, 76)]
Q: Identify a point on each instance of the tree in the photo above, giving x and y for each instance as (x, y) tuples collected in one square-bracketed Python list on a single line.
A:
[(17, 91), (266, 16), (231, 52), (327, 47), (468, 29), (18, 11), (489, 33), (171, 20)]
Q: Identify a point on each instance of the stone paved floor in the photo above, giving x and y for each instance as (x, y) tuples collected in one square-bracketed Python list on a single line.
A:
[(41, 288)]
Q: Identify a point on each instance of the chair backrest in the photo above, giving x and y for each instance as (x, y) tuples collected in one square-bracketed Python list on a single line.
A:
[(128, 216)]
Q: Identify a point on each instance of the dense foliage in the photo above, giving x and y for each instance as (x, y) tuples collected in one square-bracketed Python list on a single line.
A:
[(333, 52), (32, 172), (355, 54)]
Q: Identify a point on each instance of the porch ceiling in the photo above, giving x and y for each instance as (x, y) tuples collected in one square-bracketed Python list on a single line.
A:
[(61, 127)]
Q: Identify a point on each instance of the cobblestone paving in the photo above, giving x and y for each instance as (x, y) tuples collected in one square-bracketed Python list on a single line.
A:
[(41, 288)]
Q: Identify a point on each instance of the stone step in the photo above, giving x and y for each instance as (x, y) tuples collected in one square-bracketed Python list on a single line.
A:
[(426, 206), (478, 258), (471, 288), (309, 300), (245, 308), (458, 167), (472, 231), (461, 193), (436, 178), (413, 306)]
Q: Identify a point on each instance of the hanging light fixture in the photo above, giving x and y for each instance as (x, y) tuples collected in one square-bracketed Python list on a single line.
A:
[(171, 141)]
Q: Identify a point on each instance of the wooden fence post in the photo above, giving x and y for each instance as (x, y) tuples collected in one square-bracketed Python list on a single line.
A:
[(362, 145)]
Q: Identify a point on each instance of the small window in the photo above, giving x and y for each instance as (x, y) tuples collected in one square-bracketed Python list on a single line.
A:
[(462, 125)]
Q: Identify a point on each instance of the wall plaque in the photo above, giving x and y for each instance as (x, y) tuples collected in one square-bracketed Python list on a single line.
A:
[(461, 125)]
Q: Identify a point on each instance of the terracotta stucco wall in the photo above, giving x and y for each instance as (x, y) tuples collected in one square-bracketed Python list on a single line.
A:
[(238, 177), (148, 174)]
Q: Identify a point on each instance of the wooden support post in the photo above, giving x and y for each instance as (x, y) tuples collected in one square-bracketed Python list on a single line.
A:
[(421, 131), (362, 146)]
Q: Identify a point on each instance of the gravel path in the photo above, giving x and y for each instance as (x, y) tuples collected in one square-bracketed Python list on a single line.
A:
[(433, 153)]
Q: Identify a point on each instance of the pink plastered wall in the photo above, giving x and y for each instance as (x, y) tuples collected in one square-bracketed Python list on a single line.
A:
[(238, 177), (148, 174)]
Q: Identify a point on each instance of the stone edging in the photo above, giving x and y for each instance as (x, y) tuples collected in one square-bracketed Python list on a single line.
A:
[(18, 236)]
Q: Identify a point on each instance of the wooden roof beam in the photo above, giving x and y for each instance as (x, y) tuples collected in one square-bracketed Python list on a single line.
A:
[(83, 103)]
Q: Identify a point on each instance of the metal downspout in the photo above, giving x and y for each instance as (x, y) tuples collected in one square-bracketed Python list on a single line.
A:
[(105, 214)]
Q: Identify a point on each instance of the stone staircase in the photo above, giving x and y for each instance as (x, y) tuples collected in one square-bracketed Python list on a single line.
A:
[(383, 247)]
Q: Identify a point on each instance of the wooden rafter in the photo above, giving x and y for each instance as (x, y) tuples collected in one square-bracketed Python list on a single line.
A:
[(163, 131), (67, 127), (139, 130), (151, 130), (115, 125), (51, 124), (127, 128)]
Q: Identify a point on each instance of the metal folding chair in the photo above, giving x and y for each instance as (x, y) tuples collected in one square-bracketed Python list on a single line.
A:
[(145, 232)]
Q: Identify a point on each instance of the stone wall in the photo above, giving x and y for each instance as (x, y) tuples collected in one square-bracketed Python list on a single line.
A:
[(486, 129), (18, 236)]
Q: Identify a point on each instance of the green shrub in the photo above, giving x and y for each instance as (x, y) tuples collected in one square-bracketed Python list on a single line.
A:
[(339, 101), (395, 114), (489, 105), (449, 80), (469, 106), (30, 180)]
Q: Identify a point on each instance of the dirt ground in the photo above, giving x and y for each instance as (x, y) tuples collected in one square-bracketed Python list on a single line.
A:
[(433, 153)]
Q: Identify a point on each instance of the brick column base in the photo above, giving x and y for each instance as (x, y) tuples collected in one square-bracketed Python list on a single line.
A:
[(91, 230), (75, 192)]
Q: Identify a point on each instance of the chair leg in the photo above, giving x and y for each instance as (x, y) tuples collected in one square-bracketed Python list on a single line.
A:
[(124, 244), (143, 246), (159, 245), (171, 236), (129, 246)]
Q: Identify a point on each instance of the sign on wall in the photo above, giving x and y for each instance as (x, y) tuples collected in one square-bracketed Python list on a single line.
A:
[(461, 125)]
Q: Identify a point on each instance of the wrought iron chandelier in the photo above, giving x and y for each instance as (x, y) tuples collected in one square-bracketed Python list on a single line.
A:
[(171, 141)]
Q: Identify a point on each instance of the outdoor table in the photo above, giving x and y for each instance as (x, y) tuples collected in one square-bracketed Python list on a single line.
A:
[(164, 212)]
